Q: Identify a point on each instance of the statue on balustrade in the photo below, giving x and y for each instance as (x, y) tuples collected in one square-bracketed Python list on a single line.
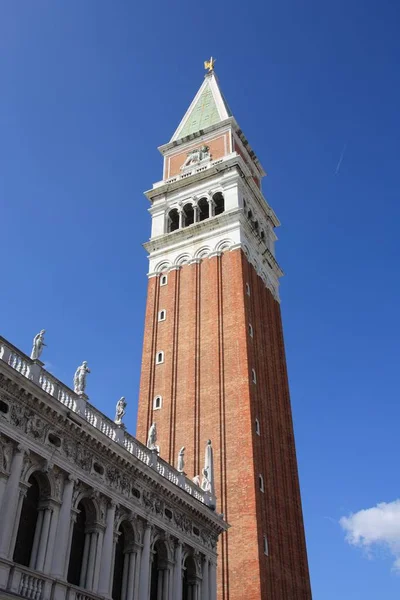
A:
[(80, 378), (120, 411), (38, 343), (181, 459), (152, 438)]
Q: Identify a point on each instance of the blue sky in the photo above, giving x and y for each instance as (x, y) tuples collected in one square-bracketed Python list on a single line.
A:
[(90, 89)]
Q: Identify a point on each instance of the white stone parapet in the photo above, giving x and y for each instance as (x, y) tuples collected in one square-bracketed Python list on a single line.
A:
[(33, 371)]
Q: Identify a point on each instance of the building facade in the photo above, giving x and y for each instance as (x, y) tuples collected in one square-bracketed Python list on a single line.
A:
[(87, 511), (213, 356)]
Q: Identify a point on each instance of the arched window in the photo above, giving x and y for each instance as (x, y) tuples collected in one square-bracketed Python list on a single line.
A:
[(159, 357), (250, 330), (27, 524), (257, 427), (190, 582), (255, 225), (173, 220), (253, 376), (157, 403), (262, 235), (84, 546), (219, 203), (204, 209), (163, 279), (124, 563), (159, 565), (162, 315), (261, 482), (188, 215), (247, 289)]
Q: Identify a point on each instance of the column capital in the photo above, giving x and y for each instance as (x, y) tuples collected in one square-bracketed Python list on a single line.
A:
[(22, 449), (72, 478)]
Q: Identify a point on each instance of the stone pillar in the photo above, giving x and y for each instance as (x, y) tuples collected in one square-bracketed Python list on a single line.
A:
[(22, 493), (36, 539), (44, 535), (51, 539), (144, 582), (130, 590), (180, 211), (3, 483), (9, 506), (205, 592), (99, 553), (107, 552), (160, 581), (89, 579), (213, 580), (58, 566), (178, 572)]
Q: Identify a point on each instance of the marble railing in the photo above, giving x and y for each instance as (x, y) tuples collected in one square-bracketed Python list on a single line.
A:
[(194, 170), (26, 583), (34, 371)]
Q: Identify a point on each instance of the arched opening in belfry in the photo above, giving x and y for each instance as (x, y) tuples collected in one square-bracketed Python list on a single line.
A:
[(204, 209), (124, 564), (189, 581), (173, 220), (159, 571), (83, 546), (219, 203), (188, 215), (28, 522)]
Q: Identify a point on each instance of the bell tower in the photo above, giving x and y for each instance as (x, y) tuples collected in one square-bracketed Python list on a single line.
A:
[(213, 361)]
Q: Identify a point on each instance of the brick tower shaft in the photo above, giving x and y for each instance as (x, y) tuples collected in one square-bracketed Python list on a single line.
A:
[(213, 362)]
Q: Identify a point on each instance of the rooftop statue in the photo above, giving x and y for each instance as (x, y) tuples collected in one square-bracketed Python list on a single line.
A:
[(80, 378), (181, 459), (38, 343), (120, 411), (152, 437)]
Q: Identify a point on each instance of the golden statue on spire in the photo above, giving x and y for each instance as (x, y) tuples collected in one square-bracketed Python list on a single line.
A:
[(209, 64)]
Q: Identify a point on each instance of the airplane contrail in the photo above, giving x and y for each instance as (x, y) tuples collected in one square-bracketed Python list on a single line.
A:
[(340, 159)]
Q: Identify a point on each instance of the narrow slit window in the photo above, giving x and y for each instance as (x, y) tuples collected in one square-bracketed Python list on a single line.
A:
[(266, 545), (261, 482), (157, 403), (159, 357), (163, 280), (253, 376), (250, 330), (162, 315), (258, 431), (247, 289)]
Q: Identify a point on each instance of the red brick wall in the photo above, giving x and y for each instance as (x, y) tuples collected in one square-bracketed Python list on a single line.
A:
[(207, 393)]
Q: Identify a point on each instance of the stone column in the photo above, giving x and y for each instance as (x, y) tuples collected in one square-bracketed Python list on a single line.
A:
[(144, 582), (52, 538), (9, 506), (180, 212), (44, 535), (99, 553), (36, 539), (160, 581), (58, 566), (22, 493), (130, 590), (205, 592), (107, 552), (178, 572), (3, 483), (213, 580)]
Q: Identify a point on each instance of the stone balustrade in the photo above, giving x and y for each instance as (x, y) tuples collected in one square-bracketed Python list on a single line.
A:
[(34, 371)]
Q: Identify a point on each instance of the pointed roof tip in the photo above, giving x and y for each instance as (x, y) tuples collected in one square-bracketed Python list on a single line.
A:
[(208, 107)]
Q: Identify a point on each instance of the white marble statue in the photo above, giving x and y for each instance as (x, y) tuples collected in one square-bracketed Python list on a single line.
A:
[(38, 343), (152, 437), (120, 411), (207, 482), (196, 480), (181, 459), (80, 378)]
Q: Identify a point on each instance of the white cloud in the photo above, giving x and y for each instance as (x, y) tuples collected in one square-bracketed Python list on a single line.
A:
[(375, 528)]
